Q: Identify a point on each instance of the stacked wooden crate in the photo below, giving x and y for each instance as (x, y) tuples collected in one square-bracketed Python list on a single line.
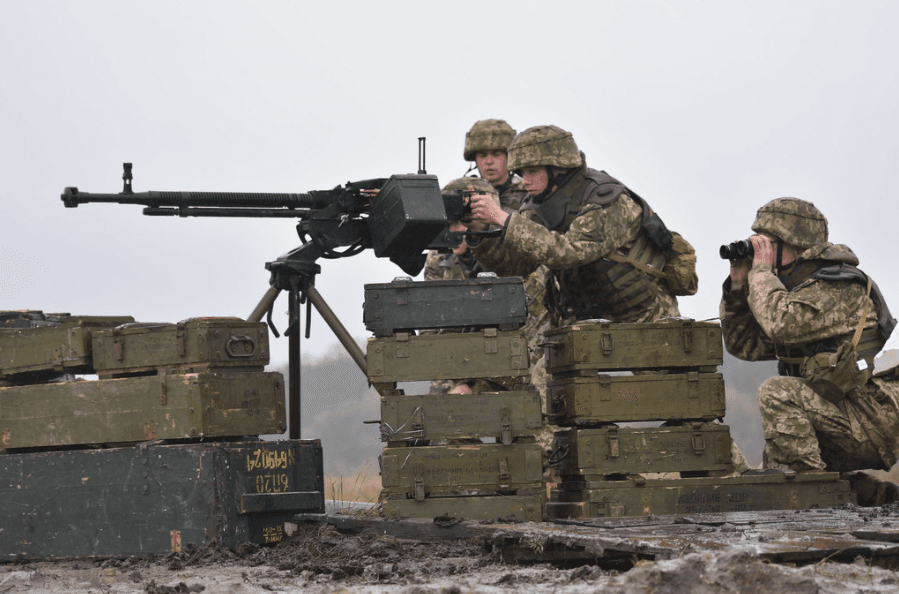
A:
[(466, 455), (606, 375), (162, 450)]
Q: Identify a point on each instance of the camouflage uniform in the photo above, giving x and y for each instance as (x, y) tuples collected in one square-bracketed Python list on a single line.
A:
[(794, 314), (571, 246)]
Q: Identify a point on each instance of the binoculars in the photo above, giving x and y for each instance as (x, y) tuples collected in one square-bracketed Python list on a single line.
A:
[(736, 250)]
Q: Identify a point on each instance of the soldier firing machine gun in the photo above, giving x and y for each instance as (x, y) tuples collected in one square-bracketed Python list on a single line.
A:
[(399, 218)]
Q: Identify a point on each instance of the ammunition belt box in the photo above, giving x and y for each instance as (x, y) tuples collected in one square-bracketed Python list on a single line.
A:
[(427, 471), (525, 508), (608, 399), (503, 415), (165, 406), (155, 499), (614, 450), (41, 351), (676, 343), (191, 345), (480, 302), (489, 353), (640, 497)]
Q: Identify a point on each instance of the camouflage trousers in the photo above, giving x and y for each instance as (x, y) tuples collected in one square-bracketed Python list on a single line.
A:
[(803, 431)]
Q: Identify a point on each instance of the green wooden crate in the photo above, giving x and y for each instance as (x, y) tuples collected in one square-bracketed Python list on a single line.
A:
[(164, 406), (525, 508), (194, 344), (640, 497), (503, 415), (46, 351), (700, 447), (676, 343), (488, 353), (608, 399), (425, 471)]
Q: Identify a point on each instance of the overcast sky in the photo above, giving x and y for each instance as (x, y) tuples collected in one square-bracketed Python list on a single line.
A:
[(708, 109)]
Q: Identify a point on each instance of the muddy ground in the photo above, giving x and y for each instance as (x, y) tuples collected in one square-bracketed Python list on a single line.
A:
[(318, 559)]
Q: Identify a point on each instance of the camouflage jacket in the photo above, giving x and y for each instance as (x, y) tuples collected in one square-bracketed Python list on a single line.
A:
[(764, 312), (594, 232)]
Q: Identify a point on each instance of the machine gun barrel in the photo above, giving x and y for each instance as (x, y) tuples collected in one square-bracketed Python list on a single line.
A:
[(209, 204)]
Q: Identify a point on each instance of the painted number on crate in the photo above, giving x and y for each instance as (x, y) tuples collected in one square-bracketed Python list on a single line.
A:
[(272, 483), (273, 534), (270, 460)]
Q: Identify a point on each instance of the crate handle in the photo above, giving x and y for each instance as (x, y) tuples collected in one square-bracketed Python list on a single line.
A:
[(234, 344), (607, 342)]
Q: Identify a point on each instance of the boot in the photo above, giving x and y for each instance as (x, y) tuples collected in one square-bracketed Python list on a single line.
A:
[(871, 490)]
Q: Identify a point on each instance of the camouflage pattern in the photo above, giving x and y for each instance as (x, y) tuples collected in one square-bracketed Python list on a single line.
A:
[(547, 146), (593, 234), (795, 221), (487, 135), (803, 431)]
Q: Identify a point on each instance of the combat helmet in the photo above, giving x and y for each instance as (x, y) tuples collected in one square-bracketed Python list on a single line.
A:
[(547, 146), (488, 135), (795, 221), (477, 183)]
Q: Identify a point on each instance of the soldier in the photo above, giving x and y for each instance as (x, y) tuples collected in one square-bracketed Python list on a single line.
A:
[(487, 144), (800, 299), (611, 256), (607, 254)]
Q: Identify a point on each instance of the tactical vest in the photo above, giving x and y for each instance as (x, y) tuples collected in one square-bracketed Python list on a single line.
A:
[(872, 339), (614, 286)]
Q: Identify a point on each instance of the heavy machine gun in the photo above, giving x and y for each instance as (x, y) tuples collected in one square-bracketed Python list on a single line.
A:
[(398, 217)]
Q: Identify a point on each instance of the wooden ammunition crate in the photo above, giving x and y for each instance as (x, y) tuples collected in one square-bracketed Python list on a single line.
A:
[(155, 499), (190, 345), (471, 469), (49, 346), (405, 305), (503, 415), (700, 447), (164, 406), (640, 497), (524, 508), (610, 399), (488, 353), (672, 344)]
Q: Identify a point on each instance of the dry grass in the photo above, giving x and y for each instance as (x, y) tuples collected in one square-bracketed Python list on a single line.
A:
[(364, 487)]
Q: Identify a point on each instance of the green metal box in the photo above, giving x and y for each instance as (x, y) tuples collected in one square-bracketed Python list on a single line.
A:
[(155, 498), (522, 508), (190, 345), (164, 406), (485, 301), (598, 345), (475, 469), (488, 353), (50, 346), (641, 497), (503, 415), (657, 397), (700, 447)]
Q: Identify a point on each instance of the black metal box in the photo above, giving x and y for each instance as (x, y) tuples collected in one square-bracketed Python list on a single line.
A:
[(155, 499), (406, 215), (425, 305)]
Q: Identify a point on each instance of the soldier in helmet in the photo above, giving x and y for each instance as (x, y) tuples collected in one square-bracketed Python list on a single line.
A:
[(487, 144), (606, 249), (801, 300)]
